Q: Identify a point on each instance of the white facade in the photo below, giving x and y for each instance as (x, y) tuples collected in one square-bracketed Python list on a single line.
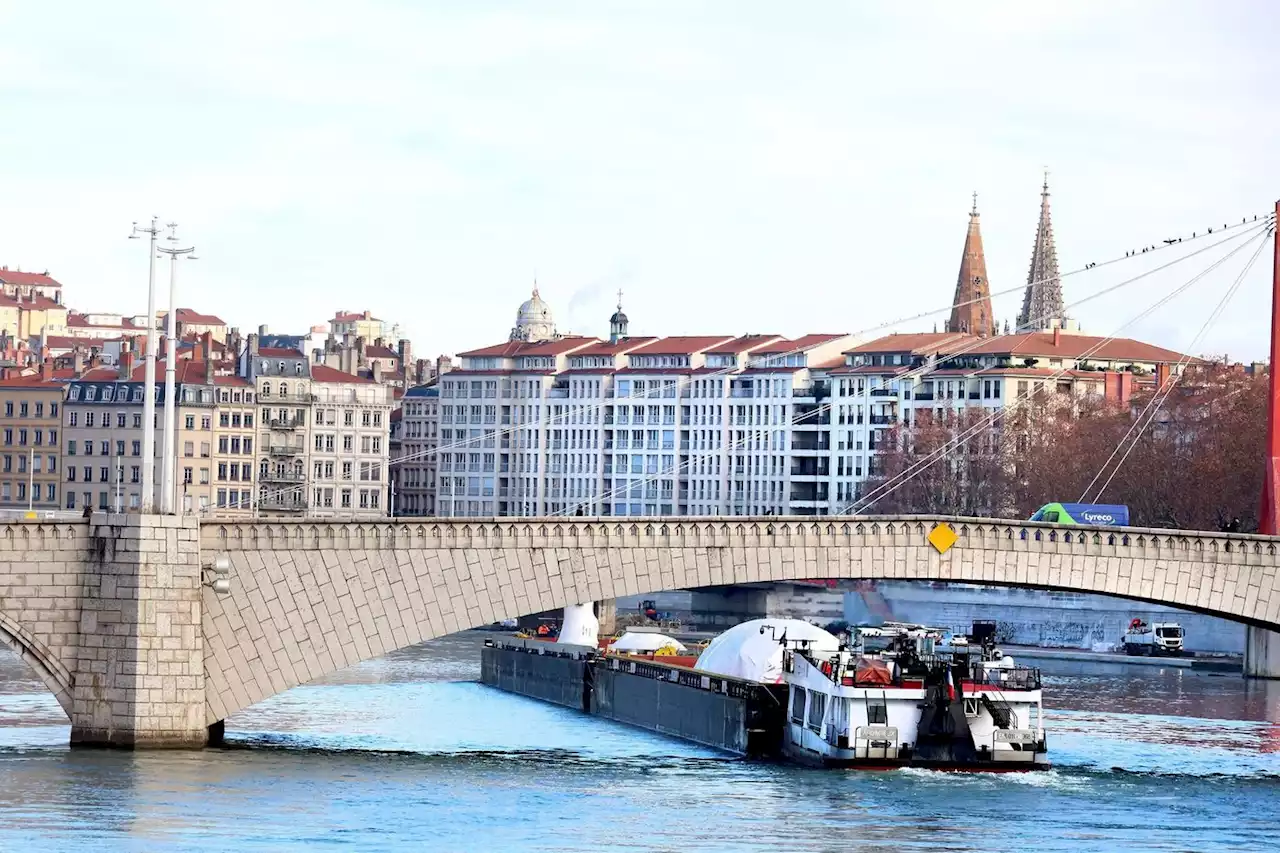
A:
[(350, 447)]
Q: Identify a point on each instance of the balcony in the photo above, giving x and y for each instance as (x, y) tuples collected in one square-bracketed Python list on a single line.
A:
[(287, 398), (286, 450), (884, 392), (287, 423), (883, 420), (924, 395), (974, 395), (277, 477), (286, 503)]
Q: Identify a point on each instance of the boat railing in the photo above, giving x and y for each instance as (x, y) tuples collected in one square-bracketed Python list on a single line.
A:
[(1007, 678)]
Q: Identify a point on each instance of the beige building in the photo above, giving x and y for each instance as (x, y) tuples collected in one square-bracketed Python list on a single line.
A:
[(350, 448), (235, 435), (281, 383), (30, 442)]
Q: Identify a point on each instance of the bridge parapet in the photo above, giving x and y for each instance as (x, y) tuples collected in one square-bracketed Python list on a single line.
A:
[(773, 531)]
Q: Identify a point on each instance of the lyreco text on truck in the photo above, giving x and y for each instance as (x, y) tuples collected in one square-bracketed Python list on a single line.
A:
[(1105, 515)]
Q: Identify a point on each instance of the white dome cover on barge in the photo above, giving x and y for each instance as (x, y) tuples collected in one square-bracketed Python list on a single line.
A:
[(753, 650)]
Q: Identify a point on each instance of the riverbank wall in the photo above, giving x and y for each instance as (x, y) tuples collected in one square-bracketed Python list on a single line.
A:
[(729, 714)]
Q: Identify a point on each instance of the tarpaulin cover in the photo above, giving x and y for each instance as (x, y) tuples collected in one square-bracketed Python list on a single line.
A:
[(745, 652), (872, 671)]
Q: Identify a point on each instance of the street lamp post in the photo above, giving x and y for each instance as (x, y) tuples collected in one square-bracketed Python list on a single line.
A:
[(169, 455), (149, 400)]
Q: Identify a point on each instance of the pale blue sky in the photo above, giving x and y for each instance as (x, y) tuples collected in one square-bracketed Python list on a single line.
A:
[(734, 166)]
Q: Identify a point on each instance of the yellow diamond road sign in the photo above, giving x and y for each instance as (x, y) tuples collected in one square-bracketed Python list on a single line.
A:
[(942, 537)]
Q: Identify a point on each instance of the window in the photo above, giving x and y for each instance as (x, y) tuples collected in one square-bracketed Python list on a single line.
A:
[(104, 474), (190, 421), (120, 419), (73, 419), (877, 712), (186, 475), (137, 420), (346, 499), (246, 473), (797, 693), (223, 444), (8, 408), (348, 443), (817, 710), (377, 444), (23, 409), (137, 448), (222, 473), (51, 492), (206, 421), (188, 449), (53, 410), (346, 470), (366, 418), (204, 476)]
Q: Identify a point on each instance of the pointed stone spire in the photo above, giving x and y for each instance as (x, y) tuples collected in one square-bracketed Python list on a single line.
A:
[(1042, 302), (971, 308)]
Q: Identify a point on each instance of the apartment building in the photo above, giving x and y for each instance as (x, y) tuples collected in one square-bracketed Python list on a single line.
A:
[(281, 380), (103, 437), (633, 426), (414, 455), (31, 430), (235, 434), (350, 445)]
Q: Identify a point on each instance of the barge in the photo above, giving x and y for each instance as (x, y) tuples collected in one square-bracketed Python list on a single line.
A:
[(781, 689)]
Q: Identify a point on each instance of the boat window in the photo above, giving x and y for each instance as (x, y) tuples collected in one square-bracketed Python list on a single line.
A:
[(877, 712), (970, 707), (797, 705), (817, 710), (1051, 516)]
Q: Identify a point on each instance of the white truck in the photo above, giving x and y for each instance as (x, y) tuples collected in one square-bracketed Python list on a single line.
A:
[(1156, 638)]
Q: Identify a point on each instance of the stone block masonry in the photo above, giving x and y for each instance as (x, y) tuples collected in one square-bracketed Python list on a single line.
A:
[(111, 612), (140, 663)]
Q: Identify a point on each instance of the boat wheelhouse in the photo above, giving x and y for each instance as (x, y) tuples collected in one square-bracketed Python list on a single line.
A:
[(895, 696)]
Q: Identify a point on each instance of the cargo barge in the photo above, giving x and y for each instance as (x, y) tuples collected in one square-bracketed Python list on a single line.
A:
[(779, 689)]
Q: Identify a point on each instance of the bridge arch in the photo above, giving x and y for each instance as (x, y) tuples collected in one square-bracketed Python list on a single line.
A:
[(307, 600), (42, 661)]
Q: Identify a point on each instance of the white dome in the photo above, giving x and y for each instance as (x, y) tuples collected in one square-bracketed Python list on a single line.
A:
[(534, 321), (744, 652), (643, 641)]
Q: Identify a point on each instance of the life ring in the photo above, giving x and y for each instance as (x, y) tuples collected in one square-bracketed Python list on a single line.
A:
[(826, 668)]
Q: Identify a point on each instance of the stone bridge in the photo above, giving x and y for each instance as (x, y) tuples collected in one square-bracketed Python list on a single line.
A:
[(116, 613)]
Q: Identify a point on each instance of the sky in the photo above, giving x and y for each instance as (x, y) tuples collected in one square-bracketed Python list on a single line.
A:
[(734, 167)]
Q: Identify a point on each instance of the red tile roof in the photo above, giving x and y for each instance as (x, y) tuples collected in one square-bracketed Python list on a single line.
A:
[(505, 349), (514, 349), (376, 351), (683, 345), (926, 343), (348, 316), (40, 279), (623, 345), (321, 373), (65, 342), (800, 344), (1071, 345), (746, 343), (189, 315), (37, 302), (33, 381)]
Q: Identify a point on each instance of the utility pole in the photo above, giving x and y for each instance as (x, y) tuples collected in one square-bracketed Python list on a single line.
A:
[(149, 400), (1269, 517), (169, 455)]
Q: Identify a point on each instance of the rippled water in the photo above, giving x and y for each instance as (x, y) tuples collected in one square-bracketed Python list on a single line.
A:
[(409, 753)]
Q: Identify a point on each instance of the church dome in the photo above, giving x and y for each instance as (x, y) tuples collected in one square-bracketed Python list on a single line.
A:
[(534, 321), (618, 318)]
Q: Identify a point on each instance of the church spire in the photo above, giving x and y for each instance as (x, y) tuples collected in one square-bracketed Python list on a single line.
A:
[(1042, 302), (971, 309)]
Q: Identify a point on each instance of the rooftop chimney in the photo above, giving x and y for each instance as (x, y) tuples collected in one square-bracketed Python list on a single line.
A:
[(208, 370), (253, 344), (377, 371), (262, 330), (1057, 336), (46, 370), (206, 346), (126, 366), (368, 315), (77, 362)]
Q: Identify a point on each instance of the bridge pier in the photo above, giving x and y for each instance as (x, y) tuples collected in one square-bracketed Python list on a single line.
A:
[(139, 674), (607, 616), (1261, 653)]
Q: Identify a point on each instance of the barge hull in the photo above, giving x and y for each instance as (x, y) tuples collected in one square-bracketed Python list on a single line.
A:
[(737, 717)]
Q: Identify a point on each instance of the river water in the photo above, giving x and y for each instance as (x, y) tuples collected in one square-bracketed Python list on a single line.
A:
[(408, 752)]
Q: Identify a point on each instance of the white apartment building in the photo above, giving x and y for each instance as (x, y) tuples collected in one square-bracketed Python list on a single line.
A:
[(634, 426), (282, 383), (350, 445), (414, 459), (718, 425)]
